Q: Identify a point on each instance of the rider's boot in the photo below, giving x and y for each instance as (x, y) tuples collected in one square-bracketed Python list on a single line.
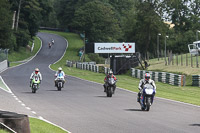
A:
[(138, 97), (55, 83), (30, 83), (104, 87)]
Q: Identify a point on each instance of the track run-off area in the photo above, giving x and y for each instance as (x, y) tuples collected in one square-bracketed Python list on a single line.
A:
[(82, 106)]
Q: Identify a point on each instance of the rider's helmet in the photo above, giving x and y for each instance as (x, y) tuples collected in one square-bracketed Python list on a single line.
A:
[(60, 69), (36, 70), (147, 77), (110, 73)]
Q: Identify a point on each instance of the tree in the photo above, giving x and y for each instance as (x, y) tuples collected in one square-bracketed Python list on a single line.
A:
[(148, 25), (99, 22), (6, 38)]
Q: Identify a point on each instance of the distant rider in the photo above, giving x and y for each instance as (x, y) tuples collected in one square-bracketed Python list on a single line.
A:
[(147, 80), (59, 74), (49, 44), (52, 41), (109, 75), (37, 74)]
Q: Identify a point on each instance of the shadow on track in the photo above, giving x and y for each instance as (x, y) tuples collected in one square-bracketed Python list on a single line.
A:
[(101, 96), (51, 90), (28, 92), (197, 125), (133, 109)]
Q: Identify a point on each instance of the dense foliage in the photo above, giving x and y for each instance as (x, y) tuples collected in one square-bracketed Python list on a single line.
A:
[(138, 21)]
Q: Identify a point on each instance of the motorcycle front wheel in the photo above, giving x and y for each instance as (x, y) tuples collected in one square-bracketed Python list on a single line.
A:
[(109, 92), (148, 104)]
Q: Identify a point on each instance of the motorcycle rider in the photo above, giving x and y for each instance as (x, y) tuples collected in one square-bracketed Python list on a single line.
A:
[(52, 41), (146, 80), (109, 75), (49, 44), (35, 73), (61, 74)]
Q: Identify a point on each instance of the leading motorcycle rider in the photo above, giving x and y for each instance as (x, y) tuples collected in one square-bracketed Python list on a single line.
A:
[(35, 73), (61, 74), (146, 80), (109, 75)]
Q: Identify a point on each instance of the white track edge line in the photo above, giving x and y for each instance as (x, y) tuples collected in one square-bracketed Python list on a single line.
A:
[(9, 90)]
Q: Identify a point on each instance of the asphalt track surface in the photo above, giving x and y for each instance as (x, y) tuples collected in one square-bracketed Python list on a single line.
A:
[(82, 106)]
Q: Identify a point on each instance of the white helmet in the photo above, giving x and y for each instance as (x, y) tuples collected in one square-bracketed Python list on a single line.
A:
[(110, 72), (60, 68)]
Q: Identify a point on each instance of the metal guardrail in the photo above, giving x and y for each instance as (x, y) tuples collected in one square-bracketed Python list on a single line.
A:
[(3, 54)]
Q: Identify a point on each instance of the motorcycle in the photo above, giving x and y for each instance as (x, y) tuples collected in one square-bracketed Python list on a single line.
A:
[(52, 41), (35, 84), (110, 89), (60, 82), (147, 96)]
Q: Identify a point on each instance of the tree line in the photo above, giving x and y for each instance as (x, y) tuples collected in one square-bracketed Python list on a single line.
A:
[(139, 21)]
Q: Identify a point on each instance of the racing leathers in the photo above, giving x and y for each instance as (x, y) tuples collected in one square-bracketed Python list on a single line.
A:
[(106, 81), (60, 75), (141, 85), (37, 75)]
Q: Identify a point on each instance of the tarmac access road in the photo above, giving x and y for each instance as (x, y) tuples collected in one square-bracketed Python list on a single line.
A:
[(82, 106)]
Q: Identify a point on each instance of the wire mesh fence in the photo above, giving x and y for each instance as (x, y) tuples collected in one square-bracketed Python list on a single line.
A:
[(3, 54)]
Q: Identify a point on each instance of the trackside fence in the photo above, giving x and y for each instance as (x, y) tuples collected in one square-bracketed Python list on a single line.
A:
[(92, 67), (169, 78), (165, 77)]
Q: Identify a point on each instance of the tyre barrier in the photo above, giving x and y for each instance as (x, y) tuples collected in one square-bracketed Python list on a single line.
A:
[(91, 66), (69, 63), (196, 80), (165, 77), (14, 123)]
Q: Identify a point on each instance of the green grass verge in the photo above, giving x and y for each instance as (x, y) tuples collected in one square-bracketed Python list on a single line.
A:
[(16, 56), (3, 131), (39, 126), (2, 85), (186, 94)]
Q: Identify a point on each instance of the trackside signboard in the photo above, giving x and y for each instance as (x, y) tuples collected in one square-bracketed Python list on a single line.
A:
[(114, 48)]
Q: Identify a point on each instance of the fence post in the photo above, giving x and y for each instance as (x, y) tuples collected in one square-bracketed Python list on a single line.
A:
[(177, 59), (186, 60), (191, 61), (197, 62), (181, 59)]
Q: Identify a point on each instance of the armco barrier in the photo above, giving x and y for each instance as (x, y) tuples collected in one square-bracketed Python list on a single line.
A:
[(3, 65), (169, 78)]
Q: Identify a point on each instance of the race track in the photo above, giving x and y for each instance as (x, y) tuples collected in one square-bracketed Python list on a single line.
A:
[(82, 106)]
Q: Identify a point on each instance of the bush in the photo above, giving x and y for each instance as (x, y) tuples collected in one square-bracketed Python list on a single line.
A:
[(95, 57)]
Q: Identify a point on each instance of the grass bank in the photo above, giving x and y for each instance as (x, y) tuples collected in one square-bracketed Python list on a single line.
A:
[(188, 94), (18, 57), (183, 69)]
